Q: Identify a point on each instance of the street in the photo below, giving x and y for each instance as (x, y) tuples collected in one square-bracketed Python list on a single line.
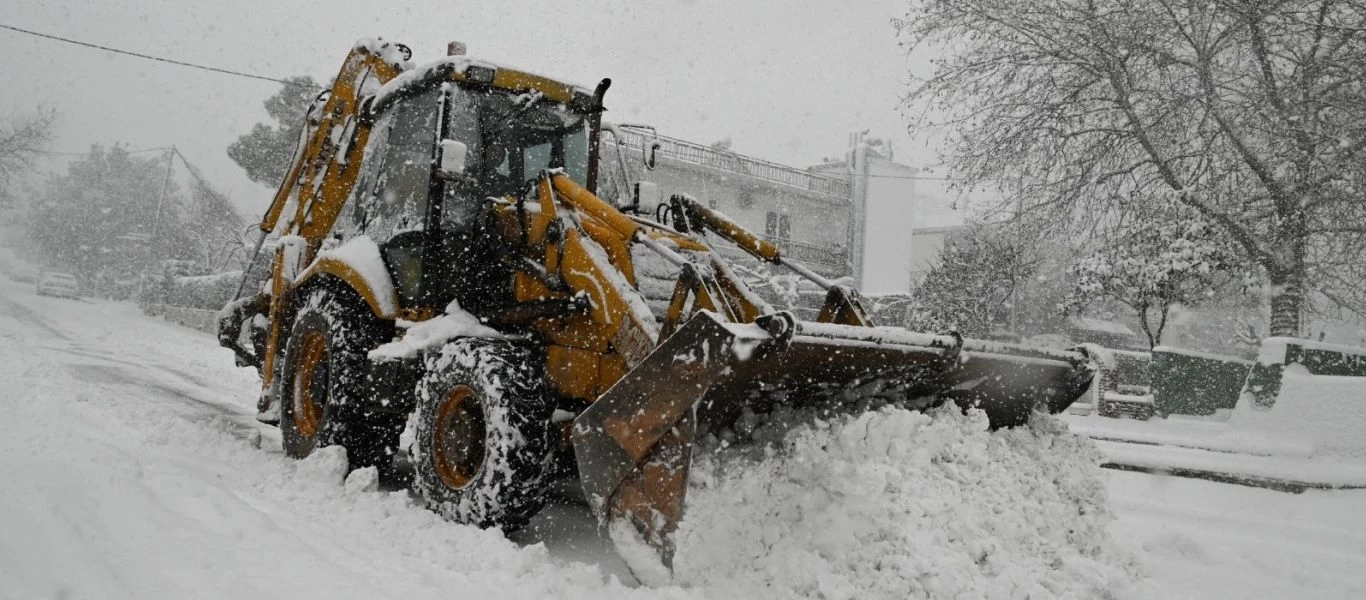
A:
[(133, 468)]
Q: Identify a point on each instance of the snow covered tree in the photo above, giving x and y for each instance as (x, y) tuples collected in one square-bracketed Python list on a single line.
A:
[(21, 141), (265, 152), (1250, 112), (1151, 266), (110, 216), (979, 274)]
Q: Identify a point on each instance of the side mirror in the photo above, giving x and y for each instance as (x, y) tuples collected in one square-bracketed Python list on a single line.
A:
[(452, 160), (649, 154)]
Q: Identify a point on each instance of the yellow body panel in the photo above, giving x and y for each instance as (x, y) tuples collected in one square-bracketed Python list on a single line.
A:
[(383, 308), (573, 371), (519, 81), (615, 245), (278, 289)]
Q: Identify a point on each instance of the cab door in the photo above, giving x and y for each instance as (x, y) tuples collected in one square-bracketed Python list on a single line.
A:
[(396, 185)]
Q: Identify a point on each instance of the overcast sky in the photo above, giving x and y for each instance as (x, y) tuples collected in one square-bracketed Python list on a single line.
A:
[(786, 81)]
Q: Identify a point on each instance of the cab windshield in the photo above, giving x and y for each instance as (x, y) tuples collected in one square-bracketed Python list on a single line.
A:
[(511, 137)]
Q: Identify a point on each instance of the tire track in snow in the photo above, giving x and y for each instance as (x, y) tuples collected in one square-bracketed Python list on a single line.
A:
[(22, 314), (241, 423)]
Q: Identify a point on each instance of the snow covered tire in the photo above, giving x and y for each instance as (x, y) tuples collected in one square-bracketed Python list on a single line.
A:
[(483, 433), (325, 381)]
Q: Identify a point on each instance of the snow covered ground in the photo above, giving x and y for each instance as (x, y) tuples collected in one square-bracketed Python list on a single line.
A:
[(130, 467)]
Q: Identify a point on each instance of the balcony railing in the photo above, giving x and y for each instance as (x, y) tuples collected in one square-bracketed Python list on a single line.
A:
[(725, 160), (805, 252)]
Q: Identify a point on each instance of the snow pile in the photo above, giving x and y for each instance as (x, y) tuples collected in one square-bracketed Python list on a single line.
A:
[(326, 466), (901, 504), (432, 333), (1322, 411)]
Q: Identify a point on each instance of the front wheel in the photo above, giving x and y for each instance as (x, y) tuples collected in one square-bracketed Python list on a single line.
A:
[(325, 387), (483, 433)]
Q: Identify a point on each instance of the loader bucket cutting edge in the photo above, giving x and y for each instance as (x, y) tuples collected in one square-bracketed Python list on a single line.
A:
[(634, 444)]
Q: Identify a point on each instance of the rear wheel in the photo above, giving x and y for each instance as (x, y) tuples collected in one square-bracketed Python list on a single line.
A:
[(325, 387), (483, 433)]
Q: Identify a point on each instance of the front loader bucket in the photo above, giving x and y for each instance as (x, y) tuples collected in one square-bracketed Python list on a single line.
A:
[(634, 445)]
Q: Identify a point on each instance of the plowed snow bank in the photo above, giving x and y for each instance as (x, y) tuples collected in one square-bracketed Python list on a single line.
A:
[(907, 505)]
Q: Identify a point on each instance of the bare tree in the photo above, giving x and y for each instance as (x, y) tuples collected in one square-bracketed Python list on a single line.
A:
[(1250, 112), (22, 139), (217, 228)]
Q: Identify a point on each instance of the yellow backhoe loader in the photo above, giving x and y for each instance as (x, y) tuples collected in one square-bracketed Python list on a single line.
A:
[(440, 252)]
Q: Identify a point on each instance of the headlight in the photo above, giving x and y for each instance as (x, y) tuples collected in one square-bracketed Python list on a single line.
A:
[(480, 74)]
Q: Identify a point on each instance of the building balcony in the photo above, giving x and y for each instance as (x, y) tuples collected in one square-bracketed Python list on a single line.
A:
[(725, 160)]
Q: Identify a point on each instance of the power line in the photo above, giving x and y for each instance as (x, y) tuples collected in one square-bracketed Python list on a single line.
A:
[(56, 153), (292, 83), (157, 58)]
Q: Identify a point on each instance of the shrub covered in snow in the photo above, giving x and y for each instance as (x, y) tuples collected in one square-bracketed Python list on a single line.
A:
[(1171, 258), (207, 292)]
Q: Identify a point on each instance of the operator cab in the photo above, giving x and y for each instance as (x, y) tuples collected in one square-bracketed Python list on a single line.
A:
[(508, 126), (510, 139)]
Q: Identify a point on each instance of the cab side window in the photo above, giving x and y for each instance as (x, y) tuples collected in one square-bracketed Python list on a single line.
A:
[(395, 181)]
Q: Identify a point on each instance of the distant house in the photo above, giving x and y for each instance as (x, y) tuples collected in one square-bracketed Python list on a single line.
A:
[(882, 194), (906, 212), (867, 217)]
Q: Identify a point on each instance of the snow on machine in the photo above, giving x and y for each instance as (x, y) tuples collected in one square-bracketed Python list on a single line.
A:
[(440, 250)]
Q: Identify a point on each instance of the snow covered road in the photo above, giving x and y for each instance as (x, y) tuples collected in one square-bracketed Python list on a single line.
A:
[(130, 467), (130, 471)]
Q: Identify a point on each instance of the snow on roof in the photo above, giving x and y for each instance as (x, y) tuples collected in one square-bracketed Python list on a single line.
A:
[(1100, 326), (452, 64), (406, 78)]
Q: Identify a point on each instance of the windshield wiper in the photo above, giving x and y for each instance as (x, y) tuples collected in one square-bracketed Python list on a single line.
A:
[(520, 107)]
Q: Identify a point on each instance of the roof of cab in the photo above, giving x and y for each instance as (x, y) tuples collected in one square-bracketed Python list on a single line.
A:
[(456, 68)]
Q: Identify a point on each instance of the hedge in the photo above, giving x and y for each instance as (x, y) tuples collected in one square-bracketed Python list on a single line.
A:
[(1185, 382)]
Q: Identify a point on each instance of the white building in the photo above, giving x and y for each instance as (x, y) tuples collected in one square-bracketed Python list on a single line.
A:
[(807, 214), (906, 214), (868, 217), (883, 195)]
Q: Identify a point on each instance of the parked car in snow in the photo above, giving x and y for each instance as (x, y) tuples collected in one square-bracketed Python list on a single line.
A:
[(58, 284), (24, 274)]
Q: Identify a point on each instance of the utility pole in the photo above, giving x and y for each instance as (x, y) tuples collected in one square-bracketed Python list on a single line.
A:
[(156, 221), (857, 163), (161, 199)]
